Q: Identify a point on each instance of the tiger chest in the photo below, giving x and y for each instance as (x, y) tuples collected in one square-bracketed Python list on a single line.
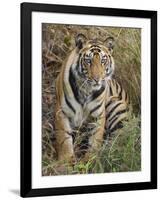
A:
[(88, 113)]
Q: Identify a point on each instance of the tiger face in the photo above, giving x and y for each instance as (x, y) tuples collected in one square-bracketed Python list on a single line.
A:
[(96, 62)]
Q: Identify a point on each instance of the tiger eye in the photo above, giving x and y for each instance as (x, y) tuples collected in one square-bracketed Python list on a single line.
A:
[(104, 60), (87, 61)]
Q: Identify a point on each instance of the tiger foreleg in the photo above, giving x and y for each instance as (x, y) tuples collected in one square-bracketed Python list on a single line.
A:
[(64, 140), (96, 138)]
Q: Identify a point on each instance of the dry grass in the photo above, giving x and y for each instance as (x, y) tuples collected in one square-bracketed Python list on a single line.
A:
[(122, 153)]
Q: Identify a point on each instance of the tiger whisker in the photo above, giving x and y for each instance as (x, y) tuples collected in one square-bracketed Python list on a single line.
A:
[(83, 84)]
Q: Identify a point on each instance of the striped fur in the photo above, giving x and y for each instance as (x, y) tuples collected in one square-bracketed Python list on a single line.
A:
[(116, 106), (85, 96)]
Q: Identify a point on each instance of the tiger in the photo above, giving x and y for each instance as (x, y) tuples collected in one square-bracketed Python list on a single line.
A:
[(84, 97)]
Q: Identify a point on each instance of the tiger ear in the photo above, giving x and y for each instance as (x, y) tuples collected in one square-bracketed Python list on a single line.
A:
[(109, 43), (80, 40)]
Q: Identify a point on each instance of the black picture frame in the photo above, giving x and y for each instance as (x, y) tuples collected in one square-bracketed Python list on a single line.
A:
[(26, 104)]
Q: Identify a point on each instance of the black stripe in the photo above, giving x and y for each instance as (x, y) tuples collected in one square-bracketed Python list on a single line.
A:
[(109, 127), (118, 113), (108, 104), (70, 133), (117, 126), (95, 46), (112, 121), (110, 67), (100, 113), (111, 93), (110, 61), (68, 103), (64, 113), (95, 108), (112, 110), (117, 87), (97, 93), (79, 67), (73, 83), (69, 118), (95, 49)]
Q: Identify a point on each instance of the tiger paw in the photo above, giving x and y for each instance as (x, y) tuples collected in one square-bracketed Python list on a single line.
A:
[(68, 159)]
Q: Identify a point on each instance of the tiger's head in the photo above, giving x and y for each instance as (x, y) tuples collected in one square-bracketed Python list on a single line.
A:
[(95, 59)]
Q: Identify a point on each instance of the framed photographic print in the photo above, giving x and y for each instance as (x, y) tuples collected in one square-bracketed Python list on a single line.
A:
[(88, 99)]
